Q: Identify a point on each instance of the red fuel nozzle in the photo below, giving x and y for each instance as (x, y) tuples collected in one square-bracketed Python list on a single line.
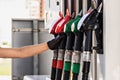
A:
[(53, 27), (60, 25)]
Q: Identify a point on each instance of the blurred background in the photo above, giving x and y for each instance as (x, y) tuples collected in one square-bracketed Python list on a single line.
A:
[(13, 12)]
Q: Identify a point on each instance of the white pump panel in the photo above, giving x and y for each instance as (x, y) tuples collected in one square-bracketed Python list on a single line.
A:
[(112, 39)]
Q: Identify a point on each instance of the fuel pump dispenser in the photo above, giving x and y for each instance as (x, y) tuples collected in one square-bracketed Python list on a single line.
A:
[(84, 34), (69, 50), (76, 57), (61, 50), (70, 42), (55, 52), (88, 25)]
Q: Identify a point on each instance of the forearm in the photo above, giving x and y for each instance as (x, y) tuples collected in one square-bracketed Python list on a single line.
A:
[(23, 52), (28, 51), (32, 50)]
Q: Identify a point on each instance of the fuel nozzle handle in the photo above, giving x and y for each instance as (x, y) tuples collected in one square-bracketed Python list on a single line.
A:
[(88, 40), (70, 41), (78, 41)]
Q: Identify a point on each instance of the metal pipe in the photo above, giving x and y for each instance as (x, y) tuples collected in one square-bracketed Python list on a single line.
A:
[(35, 41), (94, 55), (84, 6)]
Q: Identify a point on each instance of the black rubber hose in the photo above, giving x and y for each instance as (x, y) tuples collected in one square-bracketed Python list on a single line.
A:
[(75, 76), (66, 75), (85, 70), (53, 73), (59, 74)]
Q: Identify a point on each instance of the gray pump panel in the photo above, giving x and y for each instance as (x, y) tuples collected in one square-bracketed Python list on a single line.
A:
[(30, 32)]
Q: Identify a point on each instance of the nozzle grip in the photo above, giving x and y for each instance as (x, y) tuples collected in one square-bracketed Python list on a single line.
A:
[(88, 40), (70, 41), (63, 43), (78, 41)]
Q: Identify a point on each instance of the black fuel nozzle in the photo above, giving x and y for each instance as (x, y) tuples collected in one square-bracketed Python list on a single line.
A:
[(95, 18), (99, 34), (90, 21)]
